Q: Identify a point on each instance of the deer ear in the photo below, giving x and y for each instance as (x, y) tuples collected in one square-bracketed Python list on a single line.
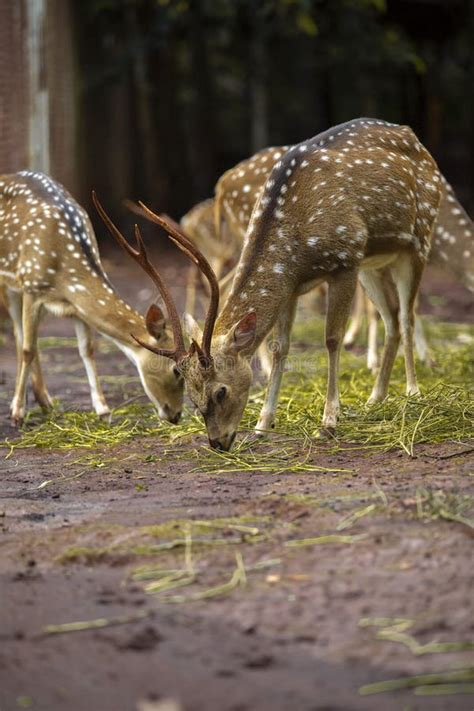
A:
[(155, 322), (242, 335), (192, 328)]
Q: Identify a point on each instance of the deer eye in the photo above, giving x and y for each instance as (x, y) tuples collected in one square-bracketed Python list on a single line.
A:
[(221, 393), (176, 373)]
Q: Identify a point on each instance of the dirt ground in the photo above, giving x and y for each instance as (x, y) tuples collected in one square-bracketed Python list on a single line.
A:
[(291, 638)]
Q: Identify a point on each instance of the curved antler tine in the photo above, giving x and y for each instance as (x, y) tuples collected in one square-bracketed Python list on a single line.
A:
[(204, 360), (140, 255), (190, 249), (180, 349), (133, 207), (159, 351), (141, 246), (170, 220)]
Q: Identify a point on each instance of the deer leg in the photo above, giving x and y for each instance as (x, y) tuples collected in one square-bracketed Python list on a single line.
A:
[(341, 292), (357, 317), (14, 306), (30, 319), (281, 346), (40, 390), (85, 343), (372, 345), (265, 359), (421, 344), (382, 294), (407, 276), (13, 302)]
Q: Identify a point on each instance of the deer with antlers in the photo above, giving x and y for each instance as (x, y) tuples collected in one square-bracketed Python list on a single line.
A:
[(359, 200), (49, 261)]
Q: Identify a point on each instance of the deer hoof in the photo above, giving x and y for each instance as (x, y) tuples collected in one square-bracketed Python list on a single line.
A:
[(46, 404), (17, 413), (17, 420), (264, 428), (327, 432), (375, 398)]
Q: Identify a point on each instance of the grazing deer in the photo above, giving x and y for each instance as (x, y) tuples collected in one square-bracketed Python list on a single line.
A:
[(357, 200), (49, 261)]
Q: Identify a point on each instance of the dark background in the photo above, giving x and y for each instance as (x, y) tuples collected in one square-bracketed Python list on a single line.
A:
[(175, 91), (154, 99)]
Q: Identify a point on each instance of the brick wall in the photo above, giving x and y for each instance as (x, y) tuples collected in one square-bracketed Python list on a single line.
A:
[(13, 86), (55, 67), (63, 104)]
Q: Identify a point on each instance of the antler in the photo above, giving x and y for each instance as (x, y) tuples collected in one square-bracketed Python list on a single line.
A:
[(192, 252), (140, 255)]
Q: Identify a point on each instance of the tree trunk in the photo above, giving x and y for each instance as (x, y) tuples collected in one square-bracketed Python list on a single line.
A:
[(204, 129), (148, 146), (258, 84), (39, 153)]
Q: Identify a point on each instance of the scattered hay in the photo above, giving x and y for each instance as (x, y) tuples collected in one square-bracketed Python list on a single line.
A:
[(237, 579), (149, 541), (443, 413), (98, 623), (321, 540), (395, 630), (422, 680), (437, 684), (444, 689), (352, 518), (436, 504)]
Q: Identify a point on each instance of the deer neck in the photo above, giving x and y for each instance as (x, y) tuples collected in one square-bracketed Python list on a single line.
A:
[(112, 317), (120, 326), (259, 289)]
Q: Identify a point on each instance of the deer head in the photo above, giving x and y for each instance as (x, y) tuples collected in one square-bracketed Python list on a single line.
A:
[(219, 383), (161, 379), (218, 380)]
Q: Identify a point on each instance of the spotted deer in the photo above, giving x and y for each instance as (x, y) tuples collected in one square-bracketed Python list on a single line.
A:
[(358, 200), (49, 261)]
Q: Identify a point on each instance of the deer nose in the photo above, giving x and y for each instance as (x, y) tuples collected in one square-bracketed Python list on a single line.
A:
[(224, 443), (173, 417)]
